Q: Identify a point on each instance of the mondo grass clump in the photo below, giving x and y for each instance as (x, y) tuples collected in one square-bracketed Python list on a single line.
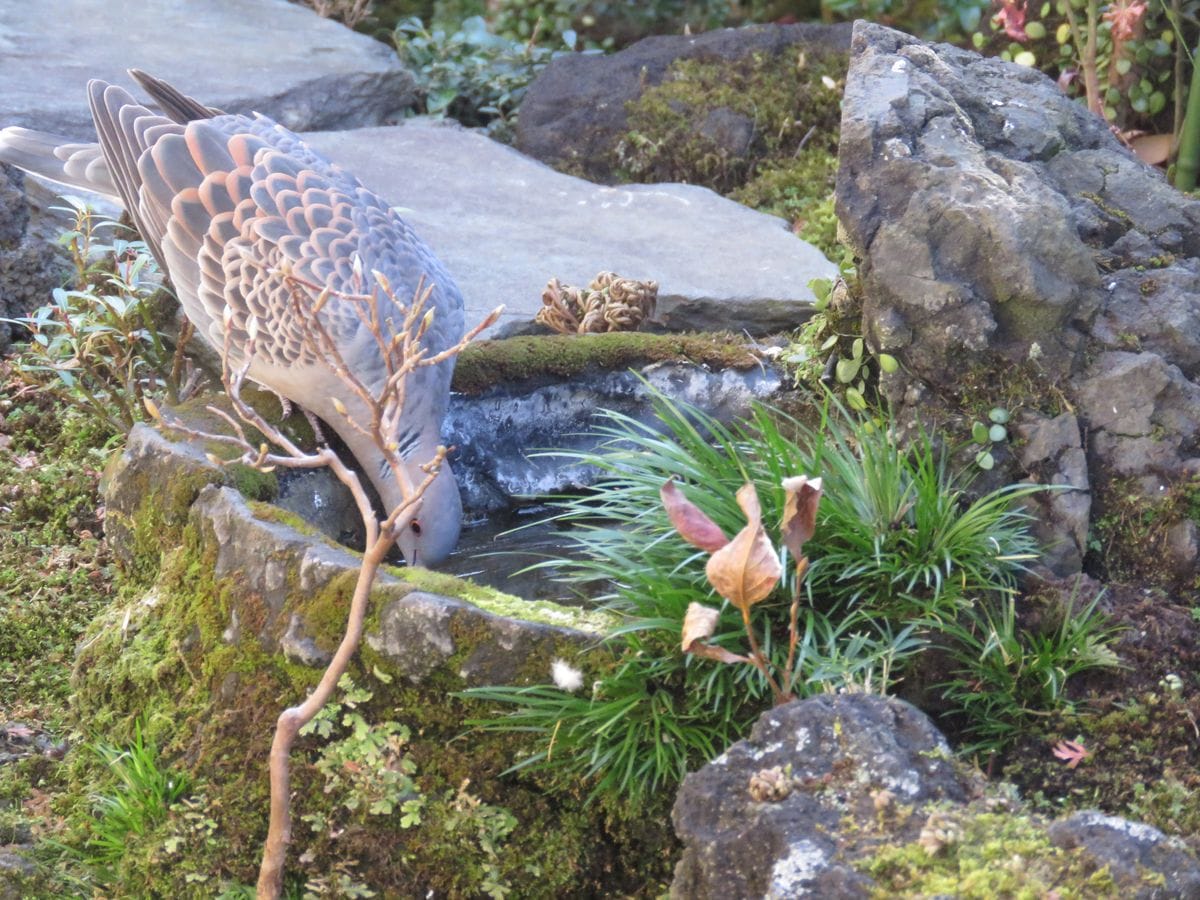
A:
[(903, 557)]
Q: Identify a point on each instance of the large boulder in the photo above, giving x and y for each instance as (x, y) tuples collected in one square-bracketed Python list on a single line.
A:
[(276, 57), (856, 796), (575, 114), (773, 815), (1014, 253), (504, 224)]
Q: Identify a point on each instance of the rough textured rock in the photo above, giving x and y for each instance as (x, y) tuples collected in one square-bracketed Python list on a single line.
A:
[(835, 754), (276, 57), (824, 788), (574, 113), (1052, 448), (417, 631), (17, 872), (1003, 229), (504, 224), (30, 267), (1131, 850)]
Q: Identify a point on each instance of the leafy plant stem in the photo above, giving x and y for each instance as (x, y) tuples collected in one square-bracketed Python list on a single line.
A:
[(759, 661), (789, 671), (1188, 163)]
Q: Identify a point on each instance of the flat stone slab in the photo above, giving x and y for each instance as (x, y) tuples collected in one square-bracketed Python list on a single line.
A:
[(504, 224), (271, 56)]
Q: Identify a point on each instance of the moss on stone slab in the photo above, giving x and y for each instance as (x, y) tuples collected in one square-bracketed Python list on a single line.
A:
[(502, 604), (679, 128), (988, 854), (188, 659), (486, 364)]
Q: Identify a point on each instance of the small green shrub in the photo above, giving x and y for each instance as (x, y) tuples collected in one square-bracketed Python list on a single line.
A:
[(139, 800), (97, 346), (606, 23), (470, 74), (901, 549), (1005, 675)]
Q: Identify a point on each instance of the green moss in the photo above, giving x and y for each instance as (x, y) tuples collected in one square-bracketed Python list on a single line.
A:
[(209, 695), (252, 483), (793, 104), (502, 604), (485, 364), (801, 191), (1129, 534), (995, 855), (1143, 763), (672, 125), (269, 512)]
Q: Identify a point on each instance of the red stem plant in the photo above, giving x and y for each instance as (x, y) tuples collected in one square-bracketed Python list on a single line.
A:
[(746, 570)]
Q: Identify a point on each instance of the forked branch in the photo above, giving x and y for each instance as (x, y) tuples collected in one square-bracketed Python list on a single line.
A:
[(403, 354)]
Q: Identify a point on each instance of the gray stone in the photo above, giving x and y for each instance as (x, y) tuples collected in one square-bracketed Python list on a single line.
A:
[(269, 56), (1001, 224), (301, 648), (834, 756), (1131, 850), (504, 224), (17, 873), (151, 462), (1154, 310), (417, 629), (574, 113), (962, 245), (1121, 392), (321, 500), (30, 267), (1053, 449)]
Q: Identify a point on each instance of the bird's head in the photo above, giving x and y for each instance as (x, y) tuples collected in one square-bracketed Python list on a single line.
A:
[(428, 539)]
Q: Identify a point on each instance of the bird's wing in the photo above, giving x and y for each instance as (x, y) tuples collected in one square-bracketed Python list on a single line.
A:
[(242, 214)]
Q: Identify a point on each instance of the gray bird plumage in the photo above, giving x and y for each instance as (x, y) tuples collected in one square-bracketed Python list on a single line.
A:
[(225, 202)]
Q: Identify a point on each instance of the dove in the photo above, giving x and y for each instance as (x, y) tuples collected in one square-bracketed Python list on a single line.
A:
[(240, 213)]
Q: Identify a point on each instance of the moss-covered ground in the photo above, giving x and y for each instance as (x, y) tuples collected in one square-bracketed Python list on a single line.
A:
[(788, 165)]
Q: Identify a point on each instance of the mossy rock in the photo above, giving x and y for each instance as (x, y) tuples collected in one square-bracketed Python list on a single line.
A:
[(195, 659), (555, 358)]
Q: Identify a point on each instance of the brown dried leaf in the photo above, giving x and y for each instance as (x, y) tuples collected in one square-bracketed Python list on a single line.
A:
[(745, 570), (1152, 149), (698, 623), (747, 499), (692, 524), (720, 654), (799, 522)]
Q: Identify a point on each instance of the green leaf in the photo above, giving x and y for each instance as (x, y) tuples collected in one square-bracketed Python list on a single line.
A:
[(856, 349), (847, 370), (999, 415), (888, 363), (985, 460), (979, 433), (1035, 30), (855, 399), (997, 433)]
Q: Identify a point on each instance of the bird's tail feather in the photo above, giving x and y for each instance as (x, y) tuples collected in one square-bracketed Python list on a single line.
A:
[(58, 159), (176, 105)]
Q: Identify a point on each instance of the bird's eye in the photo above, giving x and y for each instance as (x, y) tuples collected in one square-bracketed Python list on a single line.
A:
[(415, 526)]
